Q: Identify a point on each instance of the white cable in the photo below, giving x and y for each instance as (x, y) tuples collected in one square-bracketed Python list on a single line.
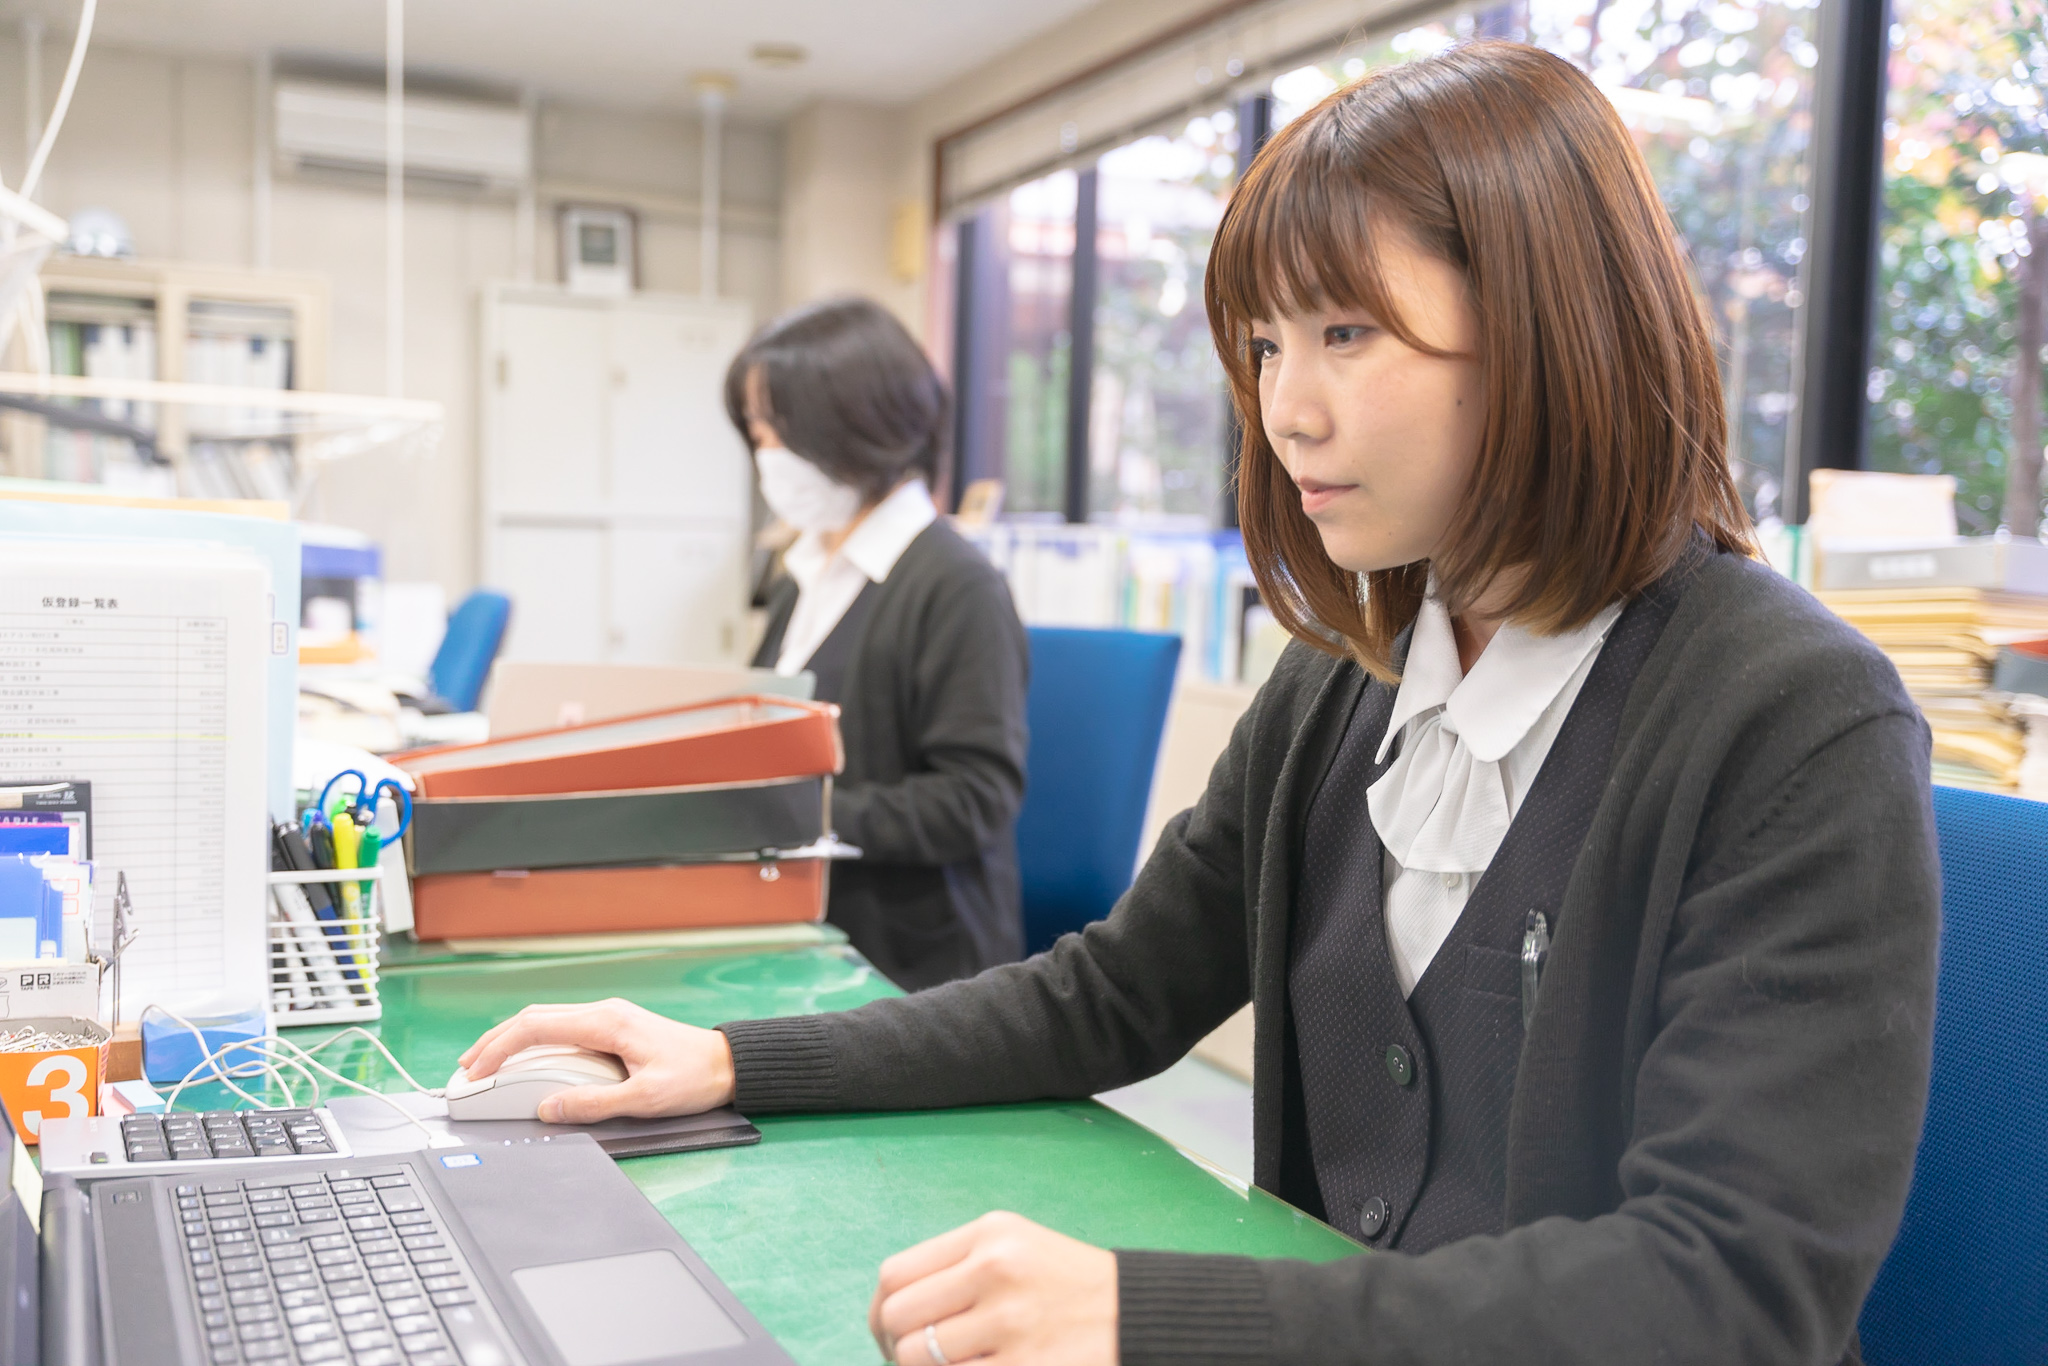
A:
[(210, 1058), (63, 106), (375, 1043), (433, 1139), (211, 1065), (295, 1056), (312, 1082)]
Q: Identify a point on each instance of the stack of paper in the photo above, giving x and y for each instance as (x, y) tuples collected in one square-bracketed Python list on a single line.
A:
[(1944, 642), (138, 667)]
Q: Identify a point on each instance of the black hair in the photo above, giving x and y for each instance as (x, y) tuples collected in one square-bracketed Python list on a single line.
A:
[(850, 390)]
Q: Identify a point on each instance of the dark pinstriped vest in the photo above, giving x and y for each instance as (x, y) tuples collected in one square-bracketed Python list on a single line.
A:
[(1406, 1102)]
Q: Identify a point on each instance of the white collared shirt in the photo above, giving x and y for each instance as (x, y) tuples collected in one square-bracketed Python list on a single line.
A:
[(827, 583), (1471, 745)]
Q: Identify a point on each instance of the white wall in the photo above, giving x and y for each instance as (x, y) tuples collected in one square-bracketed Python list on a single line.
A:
[(168, 143), (843, 162)]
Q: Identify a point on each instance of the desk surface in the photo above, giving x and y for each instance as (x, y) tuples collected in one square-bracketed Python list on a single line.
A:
[(798, 1224)]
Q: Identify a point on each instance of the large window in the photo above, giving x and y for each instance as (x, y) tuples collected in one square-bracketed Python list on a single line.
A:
[(1158, 416), (1963, 274), (1721, 96), (1031, 234)]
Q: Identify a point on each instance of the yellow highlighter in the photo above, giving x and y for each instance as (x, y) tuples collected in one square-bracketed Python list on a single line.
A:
[(347, 846)]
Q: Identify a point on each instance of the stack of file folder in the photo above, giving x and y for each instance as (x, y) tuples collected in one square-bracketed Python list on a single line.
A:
[(1941, 614), (710, 815)]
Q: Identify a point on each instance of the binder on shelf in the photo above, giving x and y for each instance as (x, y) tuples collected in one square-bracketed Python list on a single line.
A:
[(713, 814)]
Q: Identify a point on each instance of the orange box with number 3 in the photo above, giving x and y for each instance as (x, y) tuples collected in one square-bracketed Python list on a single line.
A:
[(60, 1084)]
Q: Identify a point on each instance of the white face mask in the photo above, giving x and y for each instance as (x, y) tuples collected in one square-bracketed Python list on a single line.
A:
[(803, 495)]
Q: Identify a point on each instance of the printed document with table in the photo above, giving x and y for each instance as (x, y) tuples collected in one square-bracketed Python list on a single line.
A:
[(141, 669)]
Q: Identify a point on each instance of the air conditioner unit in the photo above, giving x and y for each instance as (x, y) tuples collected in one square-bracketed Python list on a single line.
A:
[(330, 126)]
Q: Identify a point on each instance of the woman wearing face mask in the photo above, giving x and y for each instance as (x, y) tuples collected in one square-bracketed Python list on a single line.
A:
[(907, 627), (1578, 867)]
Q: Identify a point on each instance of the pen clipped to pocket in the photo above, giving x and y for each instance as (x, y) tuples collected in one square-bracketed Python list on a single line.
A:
[(1535, 953)]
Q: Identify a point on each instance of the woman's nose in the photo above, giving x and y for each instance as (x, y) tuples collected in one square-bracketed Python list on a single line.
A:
[(1293, 409)]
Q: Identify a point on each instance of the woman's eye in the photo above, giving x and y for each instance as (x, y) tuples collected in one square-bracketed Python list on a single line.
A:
[(1261, 350), (1344, 334)]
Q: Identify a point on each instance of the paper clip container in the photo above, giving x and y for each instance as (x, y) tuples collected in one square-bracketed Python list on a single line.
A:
[(61, 1083), (325, 971)]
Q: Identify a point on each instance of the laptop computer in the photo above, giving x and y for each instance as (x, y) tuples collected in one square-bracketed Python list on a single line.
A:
[(530, 1252), (347, 1126)]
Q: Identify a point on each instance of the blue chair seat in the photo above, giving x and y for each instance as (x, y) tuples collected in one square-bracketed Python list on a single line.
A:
[(1097, 708), (1966, 1283)]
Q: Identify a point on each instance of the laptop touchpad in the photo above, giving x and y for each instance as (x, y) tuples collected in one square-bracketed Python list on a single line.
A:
[(611, 1311)]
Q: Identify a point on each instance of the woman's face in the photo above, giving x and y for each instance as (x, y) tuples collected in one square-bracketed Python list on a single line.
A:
[(1380, 438)]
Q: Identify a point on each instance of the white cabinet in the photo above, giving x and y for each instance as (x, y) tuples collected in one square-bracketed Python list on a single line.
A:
[(616, 497)]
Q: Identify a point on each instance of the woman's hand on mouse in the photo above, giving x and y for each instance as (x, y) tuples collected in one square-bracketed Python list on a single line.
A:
[(672, 1068), (1001, 1288)]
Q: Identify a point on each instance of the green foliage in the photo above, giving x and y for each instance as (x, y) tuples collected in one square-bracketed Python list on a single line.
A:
[(1965, 91), (1035, 450)]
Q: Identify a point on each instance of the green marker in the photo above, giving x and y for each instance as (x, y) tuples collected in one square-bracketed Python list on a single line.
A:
[(367, 849)]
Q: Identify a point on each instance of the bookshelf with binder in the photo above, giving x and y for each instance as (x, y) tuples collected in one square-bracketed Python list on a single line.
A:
[(145, 320)]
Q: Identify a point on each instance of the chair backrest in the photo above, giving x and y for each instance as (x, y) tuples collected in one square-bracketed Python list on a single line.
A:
[(475, 631), (1967, 1280), (1097, 707)]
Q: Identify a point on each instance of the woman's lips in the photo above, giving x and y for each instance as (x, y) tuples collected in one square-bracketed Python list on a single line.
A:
[(1317, 495)]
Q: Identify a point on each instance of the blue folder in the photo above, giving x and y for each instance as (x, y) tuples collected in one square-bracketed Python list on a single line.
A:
[(25, 896), (35, 839)]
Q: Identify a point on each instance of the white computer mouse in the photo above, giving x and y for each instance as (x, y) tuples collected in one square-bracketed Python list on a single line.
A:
[(523, 1080)]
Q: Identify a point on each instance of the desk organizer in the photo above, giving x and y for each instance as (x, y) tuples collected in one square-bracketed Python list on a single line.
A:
[(56, 1082), (325, 971)]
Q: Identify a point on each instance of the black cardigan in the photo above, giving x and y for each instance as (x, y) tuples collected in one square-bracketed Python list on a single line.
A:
[(932, 713), (1714, 1119)]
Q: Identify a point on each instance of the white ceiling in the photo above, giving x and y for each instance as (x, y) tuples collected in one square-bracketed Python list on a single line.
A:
[(619, 52)]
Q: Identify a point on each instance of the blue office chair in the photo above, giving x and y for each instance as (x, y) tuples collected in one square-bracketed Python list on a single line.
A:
[(1967, 1281), (476, 629), (1097, 708)]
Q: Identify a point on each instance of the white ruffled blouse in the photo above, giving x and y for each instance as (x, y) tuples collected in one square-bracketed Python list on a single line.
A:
[(1471, 745)]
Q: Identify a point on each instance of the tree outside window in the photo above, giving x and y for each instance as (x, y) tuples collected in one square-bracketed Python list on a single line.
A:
[(1956, 362), (1158, 415)]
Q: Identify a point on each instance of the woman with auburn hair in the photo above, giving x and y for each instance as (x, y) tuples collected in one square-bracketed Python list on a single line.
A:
[(1578, 867)]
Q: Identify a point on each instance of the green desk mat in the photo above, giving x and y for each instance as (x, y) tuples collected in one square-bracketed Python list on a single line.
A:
[(798, 1224)]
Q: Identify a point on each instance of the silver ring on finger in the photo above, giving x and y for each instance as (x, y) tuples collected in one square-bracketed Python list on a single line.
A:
[(931, 1345)]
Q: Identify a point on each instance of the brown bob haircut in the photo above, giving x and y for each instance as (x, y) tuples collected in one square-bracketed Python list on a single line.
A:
[(1603, 445)]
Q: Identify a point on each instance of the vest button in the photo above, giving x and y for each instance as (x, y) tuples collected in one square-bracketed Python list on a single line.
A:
[(1372, 1219), (1400, 1065)]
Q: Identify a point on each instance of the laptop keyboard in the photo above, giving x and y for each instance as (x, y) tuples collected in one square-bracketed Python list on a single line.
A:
[(224, 1134), (346, 1267)]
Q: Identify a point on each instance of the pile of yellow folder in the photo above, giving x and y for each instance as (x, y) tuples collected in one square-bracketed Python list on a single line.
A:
[(1944, 642)]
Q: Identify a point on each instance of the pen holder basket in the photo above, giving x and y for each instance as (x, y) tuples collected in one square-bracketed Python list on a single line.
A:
[(323, 970)]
